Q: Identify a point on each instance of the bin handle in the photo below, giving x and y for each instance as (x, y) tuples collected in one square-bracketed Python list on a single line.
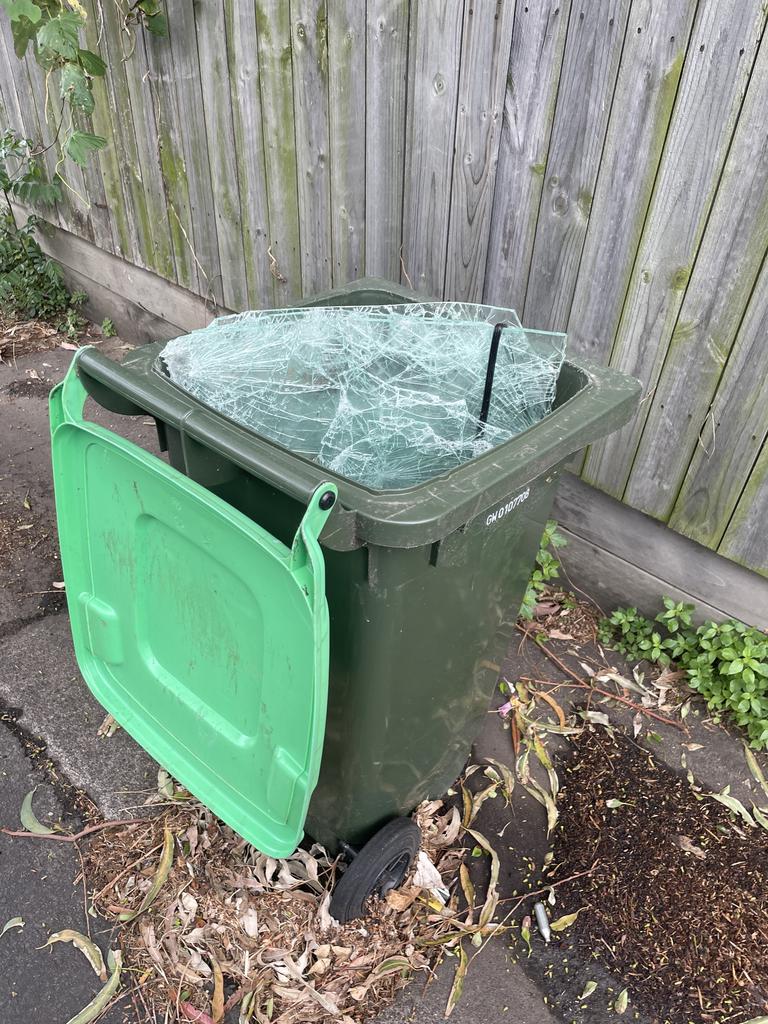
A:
[(138, 394)]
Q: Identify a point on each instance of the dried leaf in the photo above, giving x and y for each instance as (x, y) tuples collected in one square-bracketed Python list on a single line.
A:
[(760, 817), (613, 803), (557, 634), (589, 988), (539, 793), (687, 845), (164, 784), (426, 875), (163, 870), (108, 727), (479, 798), (88, 948), (507, 776), (327, 1003), (13, 922), (492, 895), (401, 899), (596, 717), (564, 922), (29, 819), (217, 1000), (96, 1006), (754, 767), (622, 1001), (392, 965), (466, 804), (542, 695), (325, 921), (249, 922), (458, 982), (544, 608), (468, 889), (541, 753), (450, 826), (247, 1008), (734, 805)]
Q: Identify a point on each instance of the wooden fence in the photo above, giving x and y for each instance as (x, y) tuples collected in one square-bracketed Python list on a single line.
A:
[(601, 166)]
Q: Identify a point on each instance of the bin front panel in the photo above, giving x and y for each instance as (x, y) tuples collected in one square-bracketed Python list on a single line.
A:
[(203, 635), (418, 637)]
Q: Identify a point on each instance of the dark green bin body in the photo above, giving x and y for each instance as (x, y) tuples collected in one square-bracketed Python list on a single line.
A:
[(423, 585)]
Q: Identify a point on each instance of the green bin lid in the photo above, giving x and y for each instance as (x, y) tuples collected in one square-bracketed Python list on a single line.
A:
[(204, 636)]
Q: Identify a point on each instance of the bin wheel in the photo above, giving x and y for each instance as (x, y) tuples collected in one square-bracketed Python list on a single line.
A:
[(378, 868)]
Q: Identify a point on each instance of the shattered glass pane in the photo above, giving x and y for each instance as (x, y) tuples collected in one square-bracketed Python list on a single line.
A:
[(388, 396)]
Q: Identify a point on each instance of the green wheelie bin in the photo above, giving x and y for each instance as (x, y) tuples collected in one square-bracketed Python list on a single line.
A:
[(303, 653)]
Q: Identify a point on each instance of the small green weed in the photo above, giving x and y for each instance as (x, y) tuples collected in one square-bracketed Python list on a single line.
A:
[(108, 328), (547, 568), (726, 662)]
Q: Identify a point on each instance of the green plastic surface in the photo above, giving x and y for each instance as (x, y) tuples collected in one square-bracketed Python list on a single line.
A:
[(203, 635)]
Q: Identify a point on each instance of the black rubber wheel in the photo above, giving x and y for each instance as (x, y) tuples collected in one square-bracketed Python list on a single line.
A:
[(378, 868)]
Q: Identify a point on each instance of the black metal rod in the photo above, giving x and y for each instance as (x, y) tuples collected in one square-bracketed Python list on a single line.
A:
[(490, 372)]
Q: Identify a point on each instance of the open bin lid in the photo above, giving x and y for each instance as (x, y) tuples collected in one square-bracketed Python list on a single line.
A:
[(204, 636)]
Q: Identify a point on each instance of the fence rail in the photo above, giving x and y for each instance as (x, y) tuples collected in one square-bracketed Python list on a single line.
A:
[(602, 166)]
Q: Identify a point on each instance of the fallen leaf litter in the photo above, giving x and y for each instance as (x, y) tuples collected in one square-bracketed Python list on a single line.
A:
[(208, 922)]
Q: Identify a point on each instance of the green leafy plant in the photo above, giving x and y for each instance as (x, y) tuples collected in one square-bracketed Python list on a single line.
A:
[(51, 30), (22, 175), (73, 321), (108, 328), (30, 284), (547, 568), (726, 662)]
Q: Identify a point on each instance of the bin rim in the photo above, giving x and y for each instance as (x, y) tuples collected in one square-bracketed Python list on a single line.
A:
[(605, 400)]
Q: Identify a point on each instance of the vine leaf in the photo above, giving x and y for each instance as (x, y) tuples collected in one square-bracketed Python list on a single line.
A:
[(76, 88), (23, 30), (22, 9), (80, 145), (92, 63), (60, 35), (157, 24)]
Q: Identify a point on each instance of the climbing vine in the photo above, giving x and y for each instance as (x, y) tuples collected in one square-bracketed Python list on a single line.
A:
[(51, 30)]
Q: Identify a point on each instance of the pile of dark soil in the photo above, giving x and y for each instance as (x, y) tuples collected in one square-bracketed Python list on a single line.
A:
[(677, 906)]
